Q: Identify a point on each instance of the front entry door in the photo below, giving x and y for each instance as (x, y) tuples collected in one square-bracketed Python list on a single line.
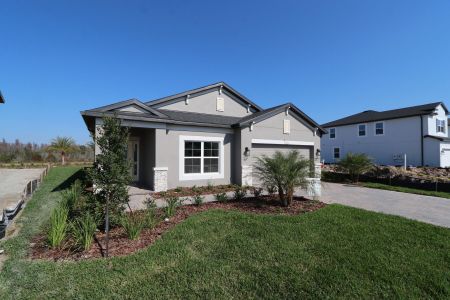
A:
[(133, 158)]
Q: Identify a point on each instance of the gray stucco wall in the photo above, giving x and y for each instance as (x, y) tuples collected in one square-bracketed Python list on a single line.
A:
[(205, 102), (167, 153), (400, 136), (272, 129)]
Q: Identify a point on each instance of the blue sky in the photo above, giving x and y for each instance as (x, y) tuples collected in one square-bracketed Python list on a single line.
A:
[(330, 58)]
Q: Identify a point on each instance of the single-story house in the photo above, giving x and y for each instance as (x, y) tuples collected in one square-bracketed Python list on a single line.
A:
[(415, 135), (208, 135)]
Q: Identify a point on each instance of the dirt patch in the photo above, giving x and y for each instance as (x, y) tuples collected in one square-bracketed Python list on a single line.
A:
[(120, 245)]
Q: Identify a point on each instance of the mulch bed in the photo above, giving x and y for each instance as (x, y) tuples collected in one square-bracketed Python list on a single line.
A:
[(120, 245)]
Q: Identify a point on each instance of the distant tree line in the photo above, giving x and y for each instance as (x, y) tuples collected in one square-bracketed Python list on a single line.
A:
[(60, 149)]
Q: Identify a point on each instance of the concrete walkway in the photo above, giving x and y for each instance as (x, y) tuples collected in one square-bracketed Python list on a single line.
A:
[(13, 182), (433, 210)]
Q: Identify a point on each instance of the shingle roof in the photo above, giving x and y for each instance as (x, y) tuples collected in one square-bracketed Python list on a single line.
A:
[(372, 115), (199, 117)]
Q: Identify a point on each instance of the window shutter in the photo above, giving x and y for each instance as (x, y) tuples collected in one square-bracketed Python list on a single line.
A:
[(286, 126), (220, 104)]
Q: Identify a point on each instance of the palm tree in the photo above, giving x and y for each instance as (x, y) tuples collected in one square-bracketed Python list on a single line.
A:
[(285, 171), (355, 164), (63, 145)]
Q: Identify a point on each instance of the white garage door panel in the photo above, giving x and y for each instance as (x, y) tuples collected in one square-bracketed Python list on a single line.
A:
[(445, 155)]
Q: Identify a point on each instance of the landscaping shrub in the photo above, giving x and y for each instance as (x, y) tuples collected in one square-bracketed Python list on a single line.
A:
[(198, 199), (58, 226), (355, 164), (133, 223), (285, 171), (221, 197), (73, 196), (172, 204), (239, 193), (178, 189), (83, 230), (256, 191), (210, 186), (271, 189)]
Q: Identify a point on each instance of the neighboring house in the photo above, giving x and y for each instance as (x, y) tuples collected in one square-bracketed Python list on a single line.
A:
[(207, 135), (420, 132)]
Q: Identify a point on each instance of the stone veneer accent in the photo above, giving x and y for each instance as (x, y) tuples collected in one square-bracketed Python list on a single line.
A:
[(247, 178), (160, 179)]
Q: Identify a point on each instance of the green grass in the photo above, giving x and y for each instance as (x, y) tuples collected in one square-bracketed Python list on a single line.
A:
[(334, 252), (405, 189)]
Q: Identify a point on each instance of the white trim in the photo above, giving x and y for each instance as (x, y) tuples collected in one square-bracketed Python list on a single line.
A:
[(375, 128), (357, 129), (200, 176), (281, 142)]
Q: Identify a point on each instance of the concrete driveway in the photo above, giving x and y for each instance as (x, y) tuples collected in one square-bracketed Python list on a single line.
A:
[(433, 210)]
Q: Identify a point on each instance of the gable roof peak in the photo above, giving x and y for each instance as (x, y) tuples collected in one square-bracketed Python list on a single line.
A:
[(216, 85)]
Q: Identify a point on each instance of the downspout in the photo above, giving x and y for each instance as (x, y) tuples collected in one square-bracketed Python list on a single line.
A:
[(421, 137)]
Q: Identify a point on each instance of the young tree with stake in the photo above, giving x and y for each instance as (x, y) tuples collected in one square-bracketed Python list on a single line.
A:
[(110, 173)]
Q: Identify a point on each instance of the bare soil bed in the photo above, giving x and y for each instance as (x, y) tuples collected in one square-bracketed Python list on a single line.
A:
[(120, 245)]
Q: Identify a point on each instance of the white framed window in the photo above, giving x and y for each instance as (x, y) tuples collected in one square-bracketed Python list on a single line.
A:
[(201, 157), (379, 128), (440, 126), (336, 152), (332, 133), (362, 129)]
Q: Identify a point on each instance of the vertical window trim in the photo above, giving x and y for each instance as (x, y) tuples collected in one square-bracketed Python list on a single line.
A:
[(199, 176), (332, 138), (375, 128), (365, 130)]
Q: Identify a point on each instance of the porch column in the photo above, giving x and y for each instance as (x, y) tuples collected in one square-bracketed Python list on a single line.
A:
[(247, 177)]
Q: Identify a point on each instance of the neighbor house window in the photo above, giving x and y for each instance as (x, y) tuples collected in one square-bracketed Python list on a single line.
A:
[(362, 130), (201, 157), (440, 126), (379, 128), (332, 133), (337, 153)]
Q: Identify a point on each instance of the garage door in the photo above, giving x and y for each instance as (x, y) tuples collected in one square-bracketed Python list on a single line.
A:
[(445, 155), (259, 150)]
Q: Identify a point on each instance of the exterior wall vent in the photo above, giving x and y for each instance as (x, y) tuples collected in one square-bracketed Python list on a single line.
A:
[(220, 104)]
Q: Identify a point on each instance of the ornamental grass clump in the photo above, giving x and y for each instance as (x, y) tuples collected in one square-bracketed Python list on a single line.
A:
[(355, 164), (83, 229), (239, 193), (198, 199), (221, 197), (58, 226), (133, 223), (171, 206)]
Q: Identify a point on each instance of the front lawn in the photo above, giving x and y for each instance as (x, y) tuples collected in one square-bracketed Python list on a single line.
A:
[(336, 251)]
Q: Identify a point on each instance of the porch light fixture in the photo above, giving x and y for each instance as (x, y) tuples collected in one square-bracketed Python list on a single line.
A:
[(317, 152), (251, 126), (247, 152)]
